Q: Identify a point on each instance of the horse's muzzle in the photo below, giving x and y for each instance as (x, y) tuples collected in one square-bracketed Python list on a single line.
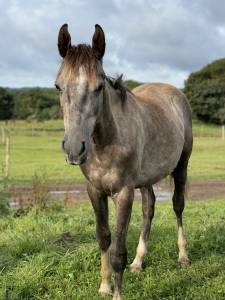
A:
[(73, 158)]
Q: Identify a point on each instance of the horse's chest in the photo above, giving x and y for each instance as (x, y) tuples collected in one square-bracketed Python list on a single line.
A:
[(108, 170), (108, 180)]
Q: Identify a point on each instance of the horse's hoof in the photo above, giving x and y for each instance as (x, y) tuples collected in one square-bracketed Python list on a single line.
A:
[(184, 262), (134, 268), (105, 289)]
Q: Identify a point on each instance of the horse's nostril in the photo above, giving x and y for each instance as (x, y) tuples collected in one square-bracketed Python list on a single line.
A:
[(82, 150)]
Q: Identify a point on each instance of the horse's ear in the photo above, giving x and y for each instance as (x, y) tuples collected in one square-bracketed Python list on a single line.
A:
[(98, 42), (64, 40)]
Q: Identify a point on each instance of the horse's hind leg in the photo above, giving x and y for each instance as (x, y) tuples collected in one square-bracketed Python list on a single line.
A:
[(100, 204), (148, 207), (180, 177)]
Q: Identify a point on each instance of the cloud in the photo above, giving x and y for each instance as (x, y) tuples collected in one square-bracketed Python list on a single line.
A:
[(146, 40)]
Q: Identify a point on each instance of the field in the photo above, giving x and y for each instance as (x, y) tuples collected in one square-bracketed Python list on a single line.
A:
[(36, 148), (53, 254)]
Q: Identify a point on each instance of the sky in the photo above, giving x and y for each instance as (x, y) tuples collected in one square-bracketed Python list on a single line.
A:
[(146, 40)]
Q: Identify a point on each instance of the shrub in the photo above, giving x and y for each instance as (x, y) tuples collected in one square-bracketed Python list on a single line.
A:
[(40, 195)]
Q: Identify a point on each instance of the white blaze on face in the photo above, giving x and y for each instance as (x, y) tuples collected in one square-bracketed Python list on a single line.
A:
[(76, 88), (81, 81)]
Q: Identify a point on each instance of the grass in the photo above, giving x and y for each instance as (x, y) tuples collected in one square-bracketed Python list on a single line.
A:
[(42, 154), (201, 129), (207, 159), (39, 150), (53, 254)]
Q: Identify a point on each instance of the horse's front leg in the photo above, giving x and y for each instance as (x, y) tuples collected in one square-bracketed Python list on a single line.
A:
[(124, 201), (100, 204)]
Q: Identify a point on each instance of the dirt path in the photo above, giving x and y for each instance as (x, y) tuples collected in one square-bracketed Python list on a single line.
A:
[(76, 193)]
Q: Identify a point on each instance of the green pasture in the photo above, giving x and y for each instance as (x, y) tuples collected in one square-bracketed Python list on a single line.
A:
[(36, 148), (53, 254)]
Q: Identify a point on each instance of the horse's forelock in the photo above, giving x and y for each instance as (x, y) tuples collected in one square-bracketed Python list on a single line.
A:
[(76, 57)]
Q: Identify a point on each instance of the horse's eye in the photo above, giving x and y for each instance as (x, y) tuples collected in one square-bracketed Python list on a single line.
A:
[(99, 88), (58, 87)]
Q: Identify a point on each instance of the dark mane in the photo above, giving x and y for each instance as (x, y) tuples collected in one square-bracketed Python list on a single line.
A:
[(117, 84)]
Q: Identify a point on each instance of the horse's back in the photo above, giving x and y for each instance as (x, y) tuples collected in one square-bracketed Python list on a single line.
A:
[(153, 92), (167, 98), (152, 89)]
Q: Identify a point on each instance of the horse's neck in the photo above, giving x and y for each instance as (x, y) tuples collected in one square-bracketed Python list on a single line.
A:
[(106, 129)]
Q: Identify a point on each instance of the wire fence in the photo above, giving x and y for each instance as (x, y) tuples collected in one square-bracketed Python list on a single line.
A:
[(26, 147), (202, 131), (56, 127)]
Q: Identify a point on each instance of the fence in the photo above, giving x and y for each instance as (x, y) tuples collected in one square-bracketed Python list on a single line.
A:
[(56, 127), (214, 131), (30, 146)]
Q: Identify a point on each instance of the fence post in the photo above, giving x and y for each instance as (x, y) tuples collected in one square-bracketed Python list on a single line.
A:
[(3, 134), (7, 154), (223, 132)]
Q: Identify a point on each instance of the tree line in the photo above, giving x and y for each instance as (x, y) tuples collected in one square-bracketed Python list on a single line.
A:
[(29, 103), (34, 103), (205, 90)]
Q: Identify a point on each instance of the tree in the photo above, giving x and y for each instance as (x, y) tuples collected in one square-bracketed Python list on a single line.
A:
[(205, 90), (6, 104), (37, 103), (131, 84)]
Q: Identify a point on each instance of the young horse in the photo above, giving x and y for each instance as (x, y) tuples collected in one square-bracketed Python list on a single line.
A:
[(122, 140)]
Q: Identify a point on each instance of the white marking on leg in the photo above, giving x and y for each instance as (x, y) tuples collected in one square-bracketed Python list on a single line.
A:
[(140, 254), (116, 295), (183, 257), (106, 271)]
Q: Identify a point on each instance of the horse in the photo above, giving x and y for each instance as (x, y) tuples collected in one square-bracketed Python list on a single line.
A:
[(123, 140)]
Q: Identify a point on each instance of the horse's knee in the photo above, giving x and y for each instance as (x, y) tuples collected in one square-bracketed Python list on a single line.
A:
[(118, 259), (104, 239)]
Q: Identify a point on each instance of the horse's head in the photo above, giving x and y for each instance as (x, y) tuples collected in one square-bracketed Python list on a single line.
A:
[(80, 82)]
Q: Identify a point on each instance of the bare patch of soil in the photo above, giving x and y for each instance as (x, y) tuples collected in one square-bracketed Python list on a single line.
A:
[(76, 193)]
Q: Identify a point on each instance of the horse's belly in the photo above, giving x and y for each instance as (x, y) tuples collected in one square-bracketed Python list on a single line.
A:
[(154, 173), (157, 164)]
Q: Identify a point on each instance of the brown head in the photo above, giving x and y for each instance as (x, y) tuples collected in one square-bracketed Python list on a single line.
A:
[(80, 82)]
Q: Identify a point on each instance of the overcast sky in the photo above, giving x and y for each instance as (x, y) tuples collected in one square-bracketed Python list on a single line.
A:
[(146, 40)]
